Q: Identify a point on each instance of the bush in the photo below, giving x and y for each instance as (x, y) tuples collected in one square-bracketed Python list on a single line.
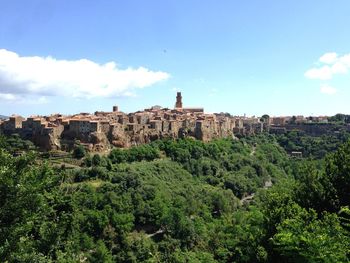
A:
[(79, 152)]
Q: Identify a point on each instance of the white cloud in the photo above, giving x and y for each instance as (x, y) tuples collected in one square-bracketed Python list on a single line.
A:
[(332, 65), (329, 58), (323, 73), (23, 99), (345, 60), (339, 68), (326, 89), (7, 96), (47, 76)]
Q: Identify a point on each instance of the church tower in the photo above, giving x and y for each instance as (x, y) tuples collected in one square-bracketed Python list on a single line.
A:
[(178, 104)]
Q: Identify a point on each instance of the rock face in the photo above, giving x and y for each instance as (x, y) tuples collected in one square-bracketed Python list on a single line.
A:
[(312, 129), (103, 130), (99, 141), (47, 142), (45, 136), (117, 136)]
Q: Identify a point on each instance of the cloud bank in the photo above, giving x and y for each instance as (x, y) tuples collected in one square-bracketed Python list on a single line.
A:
[(46, 76), (330, 64)]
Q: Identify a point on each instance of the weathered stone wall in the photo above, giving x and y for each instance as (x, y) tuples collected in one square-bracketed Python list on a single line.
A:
[(310, 129), (105, 129)]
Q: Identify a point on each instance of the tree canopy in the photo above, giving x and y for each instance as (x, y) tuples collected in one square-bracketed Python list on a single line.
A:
[(180, 200)]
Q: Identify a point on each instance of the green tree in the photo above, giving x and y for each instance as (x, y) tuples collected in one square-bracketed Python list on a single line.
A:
[(304, 238), (79, 152), (265, 118), (96, 160), (338, 172)]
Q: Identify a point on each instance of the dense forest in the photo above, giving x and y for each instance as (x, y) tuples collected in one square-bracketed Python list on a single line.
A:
[(229, 200)]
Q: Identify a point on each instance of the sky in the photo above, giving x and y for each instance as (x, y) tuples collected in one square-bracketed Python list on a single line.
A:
[(250, 57)]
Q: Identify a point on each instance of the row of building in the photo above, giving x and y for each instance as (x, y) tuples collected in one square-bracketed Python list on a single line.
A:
[(102, 130)]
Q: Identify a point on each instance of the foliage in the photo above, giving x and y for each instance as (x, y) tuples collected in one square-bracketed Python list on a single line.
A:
[(177, 201), (340, 118), (139, 153), (304, 238), (15, 145), (312, 146), (79, 152)]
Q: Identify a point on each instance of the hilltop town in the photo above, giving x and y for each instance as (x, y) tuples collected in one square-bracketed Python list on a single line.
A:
[(102, 131)]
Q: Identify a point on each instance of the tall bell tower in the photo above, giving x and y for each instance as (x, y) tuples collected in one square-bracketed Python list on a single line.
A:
[(178, 104)]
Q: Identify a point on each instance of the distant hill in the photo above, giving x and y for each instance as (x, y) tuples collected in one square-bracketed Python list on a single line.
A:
[(2, 117)]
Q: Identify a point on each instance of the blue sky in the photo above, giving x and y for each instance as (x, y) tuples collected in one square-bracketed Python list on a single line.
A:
[(244, 57)]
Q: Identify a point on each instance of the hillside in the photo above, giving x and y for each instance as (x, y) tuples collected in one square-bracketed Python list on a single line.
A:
[(175, 201)]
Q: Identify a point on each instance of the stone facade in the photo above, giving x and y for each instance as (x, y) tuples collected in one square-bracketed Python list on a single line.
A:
[(178, 104), (103, 130)]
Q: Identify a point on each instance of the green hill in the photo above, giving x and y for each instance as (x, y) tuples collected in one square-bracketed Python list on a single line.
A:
[(175, 201)]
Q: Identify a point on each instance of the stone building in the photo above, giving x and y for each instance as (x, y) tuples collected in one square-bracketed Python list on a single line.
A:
[(84, 126), (178, 104), (100, 130), (12, 124)]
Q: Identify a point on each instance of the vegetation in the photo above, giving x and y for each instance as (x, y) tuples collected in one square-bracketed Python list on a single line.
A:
[(340, 118), (179, 201), (79, 152), (312, 146), (15, 145)]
